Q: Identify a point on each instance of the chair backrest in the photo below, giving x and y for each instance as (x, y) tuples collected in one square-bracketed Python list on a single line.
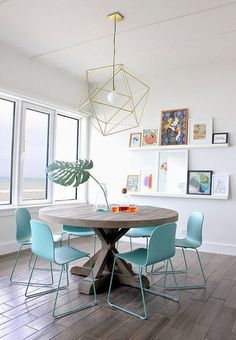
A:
[(42, 240), (23, 230), (162, 243), (194, 227)]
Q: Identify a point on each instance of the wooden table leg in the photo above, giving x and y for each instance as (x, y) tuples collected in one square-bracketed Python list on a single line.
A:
[(102, 264)]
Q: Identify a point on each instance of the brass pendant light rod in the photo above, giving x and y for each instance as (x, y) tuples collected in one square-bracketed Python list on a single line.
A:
[(115, 17)]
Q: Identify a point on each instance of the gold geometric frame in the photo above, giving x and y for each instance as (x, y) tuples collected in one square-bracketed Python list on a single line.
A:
[(131, 97)]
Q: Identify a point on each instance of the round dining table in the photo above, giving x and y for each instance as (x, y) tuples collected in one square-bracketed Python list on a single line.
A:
[(109, 228)]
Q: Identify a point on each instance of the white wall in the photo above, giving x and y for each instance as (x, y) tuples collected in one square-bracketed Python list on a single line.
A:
[(208, 91), (21, 76), (29, 78)]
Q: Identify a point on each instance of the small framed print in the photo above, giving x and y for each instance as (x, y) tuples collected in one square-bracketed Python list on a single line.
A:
[(150, 137), (148, 181), (199, 182), (135, 139), (132, 183), (220, 185), (220, 138), (200, 131)]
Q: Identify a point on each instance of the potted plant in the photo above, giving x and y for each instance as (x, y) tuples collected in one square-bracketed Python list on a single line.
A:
[(73, 174)]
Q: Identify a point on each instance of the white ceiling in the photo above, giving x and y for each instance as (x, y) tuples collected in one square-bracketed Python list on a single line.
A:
[(75, 35)]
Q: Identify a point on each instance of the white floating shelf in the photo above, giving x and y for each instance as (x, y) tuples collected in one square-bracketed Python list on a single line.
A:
[(162, 194), (176, 147)]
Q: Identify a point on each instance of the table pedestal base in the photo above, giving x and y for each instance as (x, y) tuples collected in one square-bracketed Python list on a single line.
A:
[(102, 263)]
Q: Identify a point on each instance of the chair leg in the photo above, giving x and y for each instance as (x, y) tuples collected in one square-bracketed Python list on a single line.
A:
[(185, 270), (24, 283), (81, 307), (198, 286), (29, 283), (143, 317), (130, 242), (30, 260), (14, 267), (166, 296)]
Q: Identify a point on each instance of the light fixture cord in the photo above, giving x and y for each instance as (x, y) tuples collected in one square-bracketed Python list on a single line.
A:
[(114, 56)]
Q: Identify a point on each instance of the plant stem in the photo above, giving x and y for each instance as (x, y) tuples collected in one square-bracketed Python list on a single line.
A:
[(104, 192)]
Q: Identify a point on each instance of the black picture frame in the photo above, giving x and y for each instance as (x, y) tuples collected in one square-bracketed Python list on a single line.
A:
[(197, 185), (224, 136)]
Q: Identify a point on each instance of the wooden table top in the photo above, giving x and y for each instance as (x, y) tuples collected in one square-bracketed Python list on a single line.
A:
[(85, 215)]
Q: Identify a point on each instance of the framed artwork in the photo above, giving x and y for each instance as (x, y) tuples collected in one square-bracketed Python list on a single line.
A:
[(172, 171), (148, 182), (135, 139), (200, 131), (150, 137), (220, 138), (174, 127), (132, 183), (220, 185), (199, 182)]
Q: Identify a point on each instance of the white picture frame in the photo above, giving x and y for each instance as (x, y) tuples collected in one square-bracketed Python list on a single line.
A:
[(172, 171), (200, 131), (220, 185), (148, 181)]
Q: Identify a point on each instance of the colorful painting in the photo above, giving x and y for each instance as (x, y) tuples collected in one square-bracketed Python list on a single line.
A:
[(199, 182), (150, 137), (132, 183), (174, 127), (148, 181)]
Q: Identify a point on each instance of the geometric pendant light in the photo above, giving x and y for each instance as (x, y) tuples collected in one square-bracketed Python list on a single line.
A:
[(112, 97)]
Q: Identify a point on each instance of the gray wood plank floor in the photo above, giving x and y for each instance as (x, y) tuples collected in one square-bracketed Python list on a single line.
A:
[(203, 314)]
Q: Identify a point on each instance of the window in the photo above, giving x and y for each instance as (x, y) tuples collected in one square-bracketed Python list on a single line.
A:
[(67, 137), (35, 146), (31, 137), (7, 113)]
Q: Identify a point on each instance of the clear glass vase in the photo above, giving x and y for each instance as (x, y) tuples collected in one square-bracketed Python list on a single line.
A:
[(101, 202)]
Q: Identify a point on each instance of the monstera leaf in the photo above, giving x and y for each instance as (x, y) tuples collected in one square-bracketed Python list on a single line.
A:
[(69, 173), (72, 173)]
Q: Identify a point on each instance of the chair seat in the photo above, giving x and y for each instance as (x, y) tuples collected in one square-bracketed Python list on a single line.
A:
[(67, 254), (140, 232), (187, 243), (78, 231), (137, 256)]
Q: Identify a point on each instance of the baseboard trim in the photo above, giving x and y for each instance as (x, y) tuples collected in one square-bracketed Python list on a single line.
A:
[(207, 247)]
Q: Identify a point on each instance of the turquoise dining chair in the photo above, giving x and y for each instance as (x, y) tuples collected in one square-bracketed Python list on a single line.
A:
[(80, 232), (139, 232), (193, 240), (161, 247), (43, 246), (23, 237)]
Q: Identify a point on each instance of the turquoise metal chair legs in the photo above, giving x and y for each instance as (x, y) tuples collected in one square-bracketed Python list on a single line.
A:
[(195, 286), (143, 316), (64, 268), (161, 247), (157, 271), (24, 283)]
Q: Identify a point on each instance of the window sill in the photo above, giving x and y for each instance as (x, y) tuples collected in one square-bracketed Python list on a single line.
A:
[(33, 209)]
